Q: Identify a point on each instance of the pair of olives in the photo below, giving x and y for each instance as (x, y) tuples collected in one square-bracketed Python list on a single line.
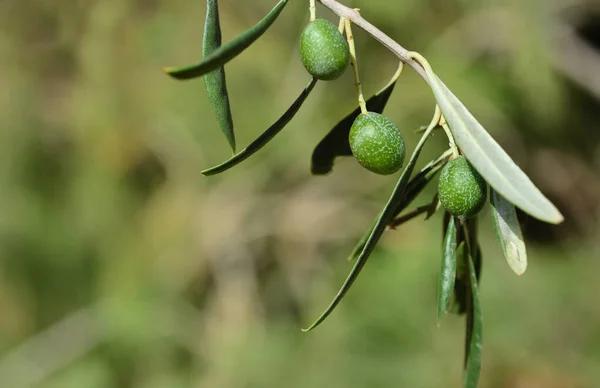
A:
[(375, 141)]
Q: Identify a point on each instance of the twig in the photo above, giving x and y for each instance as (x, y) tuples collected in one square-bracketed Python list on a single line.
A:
[(409, 216), (354, 16)]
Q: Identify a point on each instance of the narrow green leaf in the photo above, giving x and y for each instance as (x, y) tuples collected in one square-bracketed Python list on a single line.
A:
[(448, 271), (461, 284), (381, 223), (215, 81), (509, 233), (421, 180), (229, 50), (474, 331), (266, 136), (336, 143), (490, 160), (413, 189), (461, 300), (361, 243)]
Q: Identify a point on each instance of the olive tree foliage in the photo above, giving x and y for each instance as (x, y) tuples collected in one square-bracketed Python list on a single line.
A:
[(473, 165)]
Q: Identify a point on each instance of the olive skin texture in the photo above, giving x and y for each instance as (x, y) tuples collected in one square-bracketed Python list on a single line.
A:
[(461, 189), (377, 143), (324, 51)]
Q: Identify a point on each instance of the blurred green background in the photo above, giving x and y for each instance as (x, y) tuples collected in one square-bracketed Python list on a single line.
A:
[(122, 266)]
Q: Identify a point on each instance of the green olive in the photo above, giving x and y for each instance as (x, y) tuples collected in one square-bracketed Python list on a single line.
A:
[(461, 189), (377, 143), (324, 51)]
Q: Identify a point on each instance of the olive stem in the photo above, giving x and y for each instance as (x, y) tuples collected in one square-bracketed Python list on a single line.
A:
[(355, 17), (341, 25), (313, 10), (451, 141), (419, 58), (353, 61)]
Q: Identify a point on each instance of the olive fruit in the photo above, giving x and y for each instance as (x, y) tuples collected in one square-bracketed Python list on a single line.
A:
[(324, 51), (377, 143), (461, 189)]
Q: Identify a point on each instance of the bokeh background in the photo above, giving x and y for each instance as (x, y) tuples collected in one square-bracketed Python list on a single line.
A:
[(122, 266)]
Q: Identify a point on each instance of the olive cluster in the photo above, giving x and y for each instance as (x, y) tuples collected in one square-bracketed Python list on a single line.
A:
[(375, 141)]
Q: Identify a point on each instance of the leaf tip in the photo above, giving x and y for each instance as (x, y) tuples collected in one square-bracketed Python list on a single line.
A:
[(558, 219), (176, 73)]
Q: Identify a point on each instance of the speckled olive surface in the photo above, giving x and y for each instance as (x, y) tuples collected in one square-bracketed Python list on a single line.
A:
[(377, 143), (324, 50), (461, 190)]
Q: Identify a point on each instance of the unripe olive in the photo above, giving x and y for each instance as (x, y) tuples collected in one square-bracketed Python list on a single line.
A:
[(377, 143), (461, 189), (324, 51)]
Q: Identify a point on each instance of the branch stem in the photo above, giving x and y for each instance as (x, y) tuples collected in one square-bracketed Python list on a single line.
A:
[(354, 62), (342, 24), (313, 10), (355, 17)]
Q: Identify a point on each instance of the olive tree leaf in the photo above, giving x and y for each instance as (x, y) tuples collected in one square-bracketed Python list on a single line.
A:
[(229, 50), (461, 299), (215, 81), (336, 143), (413, 189), (266, 136), (421, 180), (509, 232), (383, 219), (490, 160), (448, 271), (474, 337)]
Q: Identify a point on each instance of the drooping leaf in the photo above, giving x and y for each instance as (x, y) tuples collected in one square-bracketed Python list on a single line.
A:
[(421, 180), (266, 136), (336, 143), (448, 271), (509, 232), (361, 243), (461, 297), (229, 50), (378, 228), (461, 284), (474, 337), (490, 160), (215, 81)]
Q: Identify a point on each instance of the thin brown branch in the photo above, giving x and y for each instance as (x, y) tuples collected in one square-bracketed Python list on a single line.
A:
[(409, 216), (355, 17)]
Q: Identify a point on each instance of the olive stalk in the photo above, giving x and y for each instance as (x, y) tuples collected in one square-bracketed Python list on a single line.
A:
[(451, 141), (354, 62), (313, 10), (425, 64)]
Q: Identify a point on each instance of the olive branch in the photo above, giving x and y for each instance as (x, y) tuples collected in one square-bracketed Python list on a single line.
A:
[(473, 161)]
